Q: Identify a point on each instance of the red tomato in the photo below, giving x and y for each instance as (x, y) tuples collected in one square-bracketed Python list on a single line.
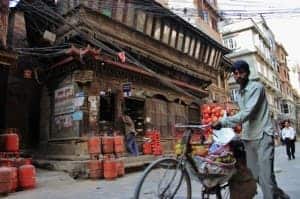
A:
[(205, 115), (214, 119), (209, 120), (205, 109), (222, 112)]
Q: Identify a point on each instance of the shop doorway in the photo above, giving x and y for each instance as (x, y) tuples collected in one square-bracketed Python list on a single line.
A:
[(107, 112), (135, 109), (3, 87)]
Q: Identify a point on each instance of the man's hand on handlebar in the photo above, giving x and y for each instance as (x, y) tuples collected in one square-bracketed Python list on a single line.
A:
[(216, 125)]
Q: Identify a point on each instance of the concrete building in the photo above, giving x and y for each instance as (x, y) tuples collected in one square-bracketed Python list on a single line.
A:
[(254, 42), (203, 14), (294, 74), (287, 102)]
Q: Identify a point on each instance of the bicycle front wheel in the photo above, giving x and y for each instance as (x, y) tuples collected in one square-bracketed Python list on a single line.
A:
[(164, 179)]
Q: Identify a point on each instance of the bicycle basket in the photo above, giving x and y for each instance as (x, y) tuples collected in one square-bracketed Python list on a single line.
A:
[(212, 173)]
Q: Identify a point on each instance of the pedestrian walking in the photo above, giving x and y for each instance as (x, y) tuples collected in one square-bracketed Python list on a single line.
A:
[(130, 135), (258, 131), (289, 136)]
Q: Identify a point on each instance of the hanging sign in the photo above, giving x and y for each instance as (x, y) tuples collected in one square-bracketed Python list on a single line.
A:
[(126, 87), (78, 115), (63, 99)]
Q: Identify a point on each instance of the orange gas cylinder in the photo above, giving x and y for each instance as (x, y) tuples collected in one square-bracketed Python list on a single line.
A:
[(110, 169), (21, 161), (6, 179), (107, 144), (5, 162), (94, 145), (119, 144), (120, 167), (27, 176), (14, 179), (95, 169), (9, 142), (147, 148)]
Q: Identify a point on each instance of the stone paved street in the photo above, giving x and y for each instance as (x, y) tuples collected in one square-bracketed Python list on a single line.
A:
[(57, 185)]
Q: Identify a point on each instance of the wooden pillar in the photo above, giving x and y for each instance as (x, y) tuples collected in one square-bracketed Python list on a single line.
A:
[(10, 31), (3, 22)]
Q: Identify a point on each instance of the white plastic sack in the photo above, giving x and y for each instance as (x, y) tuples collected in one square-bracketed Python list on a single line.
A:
[(223, 136)]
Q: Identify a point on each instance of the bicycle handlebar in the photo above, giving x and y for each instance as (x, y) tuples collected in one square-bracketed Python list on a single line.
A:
[(203, 126)]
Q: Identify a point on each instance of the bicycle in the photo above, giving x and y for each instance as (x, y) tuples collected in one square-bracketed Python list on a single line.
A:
[(172, 176)]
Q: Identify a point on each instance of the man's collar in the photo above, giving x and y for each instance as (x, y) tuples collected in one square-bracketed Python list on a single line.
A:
[(243, 90)]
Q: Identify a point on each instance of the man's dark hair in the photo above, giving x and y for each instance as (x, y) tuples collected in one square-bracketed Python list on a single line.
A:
[(240, 65)]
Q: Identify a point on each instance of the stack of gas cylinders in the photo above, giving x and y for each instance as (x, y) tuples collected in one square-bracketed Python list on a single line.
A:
[(152, 145), (16, 173), (106, 157)]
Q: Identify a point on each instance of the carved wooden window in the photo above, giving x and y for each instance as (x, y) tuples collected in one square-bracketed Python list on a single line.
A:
[(216, 60), (141, 18), (192, 47), (187, 44), (120, 10), (157, 29), (219, 59), (180, 41), (130, 14), (211, 58), (149, 25), (202, 51), (173, 38), (206, 54), (197, 50), (166, 33)]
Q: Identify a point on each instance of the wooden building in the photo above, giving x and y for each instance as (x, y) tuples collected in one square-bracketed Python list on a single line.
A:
[(158, 49), (115, 57)]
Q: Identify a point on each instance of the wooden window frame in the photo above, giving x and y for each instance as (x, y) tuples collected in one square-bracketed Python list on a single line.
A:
[(202, 51)]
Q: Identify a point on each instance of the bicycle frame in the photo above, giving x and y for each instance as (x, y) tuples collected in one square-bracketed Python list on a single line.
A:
[(185, 157)]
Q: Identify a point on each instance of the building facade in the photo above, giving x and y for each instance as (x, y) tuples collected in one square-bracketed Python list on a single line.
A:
[(254, 42), (287, 103), (294, 74)]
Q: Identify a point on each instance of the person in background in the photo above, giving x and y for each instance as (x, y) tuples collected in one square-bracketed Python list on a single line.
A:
[(289, 136), (258, 130), (130, 135)]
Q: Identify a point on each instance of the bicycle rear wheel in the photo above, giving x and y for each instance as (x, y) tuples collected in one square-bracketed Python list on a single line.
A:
[(223, 192), (218, 192), (164, 179)]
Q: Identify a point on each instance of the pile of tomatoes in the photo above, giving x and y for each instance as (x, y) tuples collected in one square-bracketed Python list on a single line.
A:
[(214, 112)]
